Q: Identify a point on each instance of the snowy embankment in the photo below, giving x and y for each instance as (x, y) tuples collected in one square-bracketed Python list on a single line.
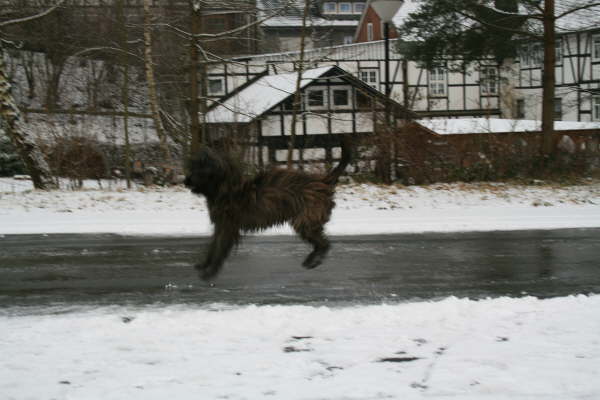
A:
[(361, 209), (454, 348)]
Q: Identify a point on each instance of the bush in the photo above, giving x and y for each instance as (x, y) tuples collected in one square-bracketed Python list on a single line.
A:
[(10, 162), (77, 158)]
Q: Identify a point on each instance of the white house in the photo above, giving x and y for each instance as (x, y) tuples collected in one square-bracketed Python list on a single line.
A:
[(333, 103)]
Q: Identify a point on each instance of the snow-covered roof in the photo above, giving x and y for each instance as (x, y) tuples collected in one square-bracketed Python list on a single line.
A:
[(291, 12), (259, 97), (458, 126), (408, 7), (287, 22)]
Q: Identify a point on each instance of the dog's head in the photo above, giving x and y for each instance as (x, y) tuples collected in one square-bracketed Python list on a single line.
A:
[(206, 171)]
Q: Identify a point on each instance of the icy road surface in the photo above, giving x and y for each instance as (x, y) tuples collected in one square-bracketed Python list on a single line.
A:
[(112, 269), (386, 317)]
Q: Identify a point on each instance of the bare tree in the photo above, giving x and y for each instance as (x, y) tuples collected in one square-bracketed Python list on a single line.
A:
[(151, 81), (12, 121)]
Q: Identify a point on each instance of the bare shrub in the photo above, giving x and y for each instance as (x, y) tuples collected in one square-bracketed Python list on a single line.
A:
[(77, 158)]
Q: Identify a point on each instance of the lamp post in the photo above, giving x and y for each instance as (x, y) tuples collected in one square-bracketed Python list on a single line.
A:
[(387, 9)]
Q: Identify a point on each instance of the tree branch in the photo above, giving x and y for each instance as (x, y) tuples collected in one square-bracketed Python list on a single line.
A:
[(32, 17)]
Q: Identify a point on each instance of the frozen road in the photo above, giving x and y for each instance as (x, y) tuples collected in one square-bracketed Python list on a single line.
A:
[(108, 269)]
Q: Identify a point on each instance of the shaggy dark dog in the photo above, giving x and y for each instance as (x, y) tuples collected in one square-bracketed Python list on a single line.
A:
[(239, 204)]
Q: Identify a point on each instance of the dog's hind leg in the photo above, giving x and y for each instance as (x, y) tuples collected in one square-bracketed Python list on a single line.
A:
[(221, 244), (316, 237)]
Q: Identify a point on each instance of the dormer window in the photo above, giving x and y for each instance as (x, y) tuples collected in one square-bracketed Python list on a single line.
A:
[(345, 8), (316, 98), (359, 8), (330, 7)]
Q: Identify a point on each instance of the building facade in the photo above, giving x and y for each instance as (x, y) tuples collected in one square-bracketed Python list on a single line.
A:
[(440, 92)]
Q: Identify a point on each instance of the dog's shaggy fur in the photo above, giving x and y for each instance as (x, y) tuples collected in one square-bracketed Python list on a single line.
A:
[(239, 204)]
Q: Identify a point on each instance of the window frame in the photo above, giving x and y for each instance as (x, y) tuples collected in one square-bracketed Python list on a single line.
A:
[(348, 98), (209, 90), (334, 10), (596, 47), (531, 55), (559, 51), (557, 109), (489, 82), (596, 108), (345, 3), (434, 85), (372, 76), (358, 4), (320, 106), (370, 32)]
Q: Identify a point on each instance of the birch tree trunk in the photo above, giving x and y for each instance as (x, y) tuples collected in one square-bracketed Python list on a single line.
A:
[(125, 89), (150, 78), (11, 121)]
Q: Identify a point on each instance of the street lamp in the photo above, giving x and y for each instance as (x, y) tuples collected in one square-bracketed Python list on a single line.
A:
[(387, 9)]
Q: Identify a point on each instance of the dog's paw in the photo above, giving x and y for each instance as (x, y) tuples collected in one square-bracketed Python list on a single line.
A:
[(313, 260)]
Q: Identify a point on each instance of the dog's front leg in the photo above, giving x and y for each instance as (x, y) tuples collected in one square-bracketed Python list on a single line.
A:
[(223, 240)]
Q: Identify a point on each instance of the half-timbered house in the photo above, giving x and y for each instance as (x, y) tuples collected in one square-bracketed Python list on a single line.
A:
[(440, 92), (261, 113), (577, 73)]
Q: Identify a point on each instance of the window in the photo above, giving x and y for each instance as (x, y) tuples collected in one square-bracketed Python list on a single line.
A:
[(369, 76), (363, 101), (348, 39), (524, 56), (345, 8), (316, 98), (329, 8), (596, 47), (537, 54), (559, 51), (369, 32), (489, 80), (596, 108), (437, 82), (341, 97), (216, 86), (520, 108), (359, 8), (557, 109), (531, 55)]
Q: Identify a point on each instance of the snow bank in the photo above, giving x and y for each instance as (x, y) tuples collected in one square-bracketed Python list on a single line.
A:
[(501, 348), (361, 209)]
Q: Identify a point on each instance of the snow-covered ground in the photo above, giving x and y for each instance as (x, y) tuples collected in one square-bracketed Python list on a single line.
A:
[(454, 348), (361, 209), (502, 348)]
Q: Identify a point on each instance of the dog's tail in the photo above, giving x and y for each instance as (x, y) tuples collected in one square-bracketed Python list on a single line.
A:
[(335, 173)]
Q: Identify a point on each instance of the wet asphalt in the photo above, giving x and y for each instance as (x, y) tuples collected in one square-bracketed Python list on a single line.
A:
[(104, 270)]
